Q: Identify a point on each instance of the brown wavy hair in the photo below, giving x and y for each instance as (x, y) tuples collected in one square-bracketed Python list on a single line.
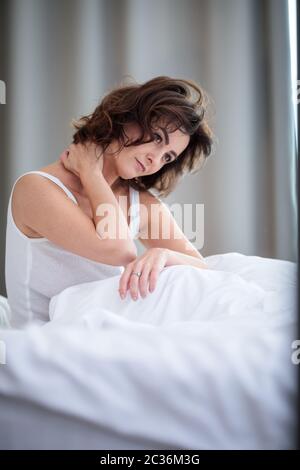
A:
[(161, 99)]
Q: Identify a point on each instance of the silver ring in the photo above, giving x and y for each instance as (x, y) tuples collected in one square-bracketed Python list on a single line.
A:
[(138, 274)]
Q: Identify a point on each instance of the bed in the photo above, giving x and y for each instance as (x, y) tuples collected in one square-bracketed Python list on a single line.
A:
[(204, 363)]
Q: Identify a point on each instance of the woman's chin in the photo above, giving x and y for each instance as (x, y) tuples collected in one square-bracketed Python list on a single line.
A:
[(128, 176)]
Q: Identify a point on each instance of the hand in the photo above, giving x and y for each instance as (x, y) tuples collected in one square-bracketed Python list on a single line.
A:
[(150, 264), (80, 158)]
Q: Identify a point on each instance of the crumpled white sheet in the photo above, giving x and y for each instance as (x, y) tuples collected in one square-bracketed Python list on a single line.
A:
[(204, 362), (185, 296)]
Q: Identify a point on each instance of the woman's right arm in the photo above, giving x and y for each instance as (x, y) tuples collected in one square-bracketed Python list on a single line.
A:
[(109, 219), (108, 216), (47, 210)]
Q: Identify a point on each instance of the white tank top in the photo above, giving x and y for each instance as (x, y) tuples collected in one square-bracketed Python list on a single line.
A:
[(37, 269)]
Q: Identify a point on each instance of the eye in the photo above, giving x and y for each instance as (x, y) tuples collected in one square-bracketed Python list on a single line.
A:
[(159, 136), (168, 158)]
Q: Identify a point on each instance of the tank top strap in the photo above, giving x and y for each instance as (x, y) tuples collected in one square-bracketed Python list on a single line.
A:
[(52, 178), (134, 211)]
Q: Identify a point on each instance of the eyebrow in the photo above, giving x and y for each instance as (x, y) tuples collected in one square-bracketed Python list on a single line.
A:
[(167, 141)]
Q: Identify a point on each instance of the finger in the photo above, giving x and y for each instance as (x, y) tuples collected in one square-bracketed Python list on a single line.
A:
[(134, 281), (124, 280), (144, 280), (65, 160), (71, 160), (155, 272), (63, 156)]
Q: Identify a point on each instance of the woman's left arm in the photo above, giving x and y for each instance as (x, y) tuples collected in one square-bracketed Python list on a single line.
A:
[(166, 246), (159, 229)]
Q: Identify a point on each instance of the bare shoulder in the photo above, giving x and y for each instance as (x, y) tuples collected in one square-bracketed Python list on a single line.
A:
[(32, 180), (28, 188), (33, 185)]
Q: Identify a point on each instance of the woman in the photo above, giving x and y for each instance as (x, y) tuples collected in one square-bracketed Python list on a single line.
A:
[(140, 137)]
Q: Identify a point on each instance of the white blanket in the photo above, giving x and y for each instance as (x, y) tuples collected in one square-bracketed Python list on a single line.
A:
[(204, 362), (184, 296)]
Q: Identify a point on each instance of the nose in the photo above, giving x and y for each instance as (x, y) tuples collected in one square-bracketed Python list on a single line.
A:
[(149, 159), (153, 158)]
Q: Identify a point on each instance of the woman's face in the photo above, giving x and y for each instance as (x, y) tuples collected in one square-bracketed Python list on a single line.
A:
[(148, 158)]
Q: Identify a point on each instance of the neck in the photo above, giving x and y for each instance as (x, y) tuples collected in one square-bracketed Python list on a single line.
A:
[(74, 182), (109, 171)]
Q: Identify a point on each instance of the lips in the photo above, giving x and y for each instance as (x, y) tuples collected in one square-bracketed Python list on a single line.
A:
[(141, 165)]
